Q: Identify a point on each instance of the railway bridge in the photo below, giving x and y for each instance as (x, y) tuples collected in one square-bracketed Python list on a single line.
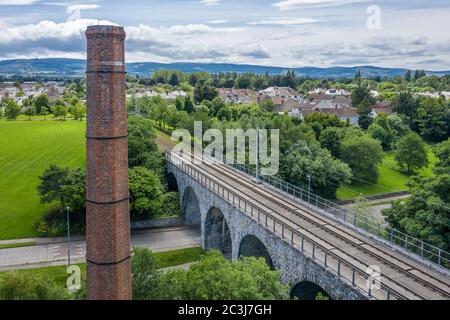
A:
[(316, 246)]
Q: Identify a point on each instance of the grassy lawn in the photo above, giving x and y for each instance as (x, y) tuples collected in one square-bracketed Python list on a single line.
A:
[(391, 179), (17, 245), (166, 259), (27, 149)]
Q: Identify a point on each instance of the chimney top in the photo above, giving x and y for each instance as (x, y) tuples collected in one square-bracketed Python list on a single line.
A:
[(95, 29)]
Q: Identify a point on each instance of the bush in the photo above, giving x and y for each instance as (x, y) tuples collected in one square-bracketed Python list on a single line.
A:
[(24, 286)]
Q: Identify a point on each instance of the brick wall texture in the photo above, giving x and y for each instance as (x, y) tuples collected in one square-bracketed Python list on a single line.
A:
[(107, 204)]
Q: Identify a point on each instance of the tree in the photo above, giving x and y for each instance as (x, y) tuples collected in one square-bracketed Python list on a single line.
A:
[(408, 75), (174, 80), (29, 286), (42, 102), (141, 143), (406, 104), (79, 111), (381, 130), (60, 111), (12, 109), (411, 153), (268, 105), (215, 278), (189, 104), (326, 173), (204, 92), (363, 154), (30, 111), (44, 113), (68, 187), (217, 104), (433, 119), (331, 138), (426, 213), (442, 152), (146, 193), (145, 275)]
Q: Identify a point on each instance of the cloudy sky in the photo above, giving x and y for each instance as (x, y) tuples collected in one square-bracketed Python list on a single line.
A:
[(290, 33)]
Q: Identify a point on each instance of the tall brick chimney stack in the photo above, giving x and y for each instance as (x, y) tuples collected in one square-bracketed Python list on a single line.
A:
[(107, 195)]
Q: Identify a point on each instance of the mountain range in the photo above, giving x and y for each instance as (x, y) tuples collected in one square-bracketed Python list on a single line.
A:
[(71, 68)]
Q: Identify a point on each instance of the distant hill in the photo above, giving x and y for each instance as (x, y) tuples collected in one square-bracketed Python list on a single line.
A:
[(69, 68)]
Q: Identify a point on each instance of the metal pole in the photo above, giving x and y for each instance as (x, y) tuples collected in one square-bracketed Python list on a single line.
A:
[(309, 187), (68, 234), (257, 154)]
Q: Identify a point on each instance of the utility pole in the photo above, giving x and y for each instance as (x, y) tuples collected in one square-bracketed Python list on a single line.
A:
[(68, 234)]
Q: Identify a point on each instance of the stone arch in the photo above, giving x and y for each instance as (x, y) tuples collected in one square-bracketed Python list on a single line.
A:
[(307, 290), (172, 184), (190, 207), (217, 232), (251, 246)]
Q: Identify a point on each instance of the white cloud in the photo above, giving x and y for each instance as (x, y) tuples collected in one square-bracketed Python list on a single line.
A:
[(284, 21), (74, 7), (219, 21), (298, 4), (208, 2), (16, 2)]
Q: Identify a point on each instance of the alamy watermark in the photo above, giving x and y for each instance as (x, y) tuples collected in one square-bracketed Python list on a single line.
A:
[(253, 146), (74, 280), (374, 17), (374, 279)]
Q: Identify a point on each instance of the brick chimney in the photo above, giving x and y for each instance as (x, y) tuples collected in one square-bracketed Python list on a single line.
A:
[(107, 195)]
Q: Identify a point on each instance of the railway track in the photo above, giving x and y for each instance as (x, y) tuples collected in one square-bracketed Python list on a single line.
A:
[(441, 287), (404, 267)]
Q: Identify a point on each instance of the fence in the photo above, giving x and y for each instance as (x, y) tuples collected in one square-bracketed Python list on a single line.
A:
[(351, 274), (361, 220)]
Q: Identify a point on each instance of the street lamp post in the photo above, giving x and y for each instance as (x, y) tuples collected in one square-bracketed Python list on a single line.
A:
[(68, 234)]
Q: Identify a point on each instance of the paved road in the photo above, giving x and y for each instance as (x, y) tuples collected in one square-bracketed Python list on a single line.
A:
[(56, 253)]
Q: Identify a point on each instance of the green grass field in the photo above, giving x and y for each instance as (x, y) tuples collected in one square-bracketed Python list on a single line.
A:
[(17, 245), (165, 259), (391, 179), (27, 148)]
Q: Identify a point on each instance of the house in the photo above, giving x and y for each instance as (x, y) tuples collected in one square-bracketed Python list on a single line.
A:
[(281, 92), (381, 107), (349, 115), (446, 95), (244, 96)]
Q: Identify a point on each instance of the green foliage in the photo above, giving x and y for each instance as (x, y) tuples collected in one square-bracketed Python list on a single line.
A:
[(67, 187), (146, 193), (60, 111), (145, 276), (42, 102), (442, 152), (142, 149), (411, 153), (331, 138), (12, 109), (204, 91), (326, 173), (20, 286), (79, 111), (426, 214), (362, 154), (30, 111), (433, 119), (406, 104), (215, 278)]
